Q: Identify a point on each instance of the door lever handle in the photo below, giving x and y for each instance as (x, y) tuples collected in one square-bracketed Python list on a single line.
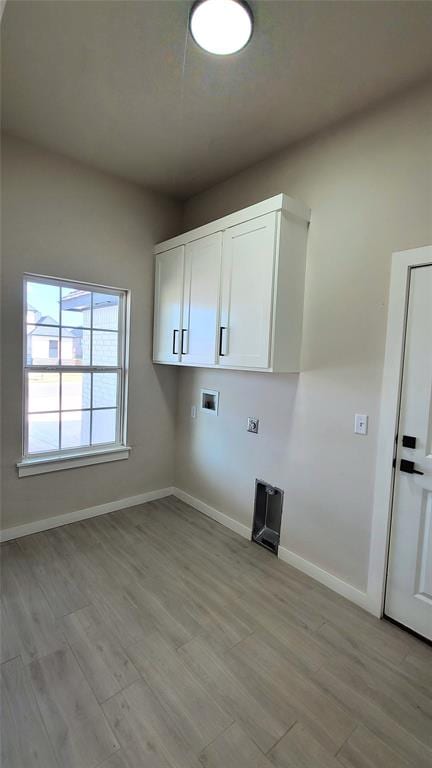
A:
[(408, 466)]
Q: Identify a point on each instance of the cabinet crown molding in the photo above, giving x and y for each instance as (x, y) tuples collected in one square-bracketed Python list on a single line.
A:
[(279, 202)]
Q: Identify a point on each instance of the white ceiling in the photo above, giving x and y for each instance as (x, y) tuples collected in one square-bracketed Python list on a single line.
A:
[(118, 85)]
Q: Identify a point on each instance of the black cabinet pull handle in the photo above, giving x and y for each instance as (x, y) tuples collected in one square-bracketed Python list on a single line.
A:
[(221, 330), (408, 466), (184, 330), (174, 350)]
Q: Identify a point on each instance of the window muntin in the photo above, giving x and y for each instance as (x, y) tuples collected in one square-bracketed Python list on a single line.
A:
[(74, 367)]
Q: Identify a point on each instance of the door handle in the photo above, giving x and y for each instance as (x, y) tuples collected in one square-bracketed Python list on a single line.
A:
[(183, 351), (221, 340), (408, 466), (174, 339)]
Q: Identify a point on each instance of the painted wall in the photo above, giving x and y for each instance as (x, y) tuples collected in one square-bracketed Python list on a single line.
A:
[(369, 184), (64, 220)]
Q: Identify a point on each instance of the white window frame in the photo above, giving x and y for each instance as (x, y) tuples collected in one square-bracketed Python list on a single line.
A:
[(51, 461)]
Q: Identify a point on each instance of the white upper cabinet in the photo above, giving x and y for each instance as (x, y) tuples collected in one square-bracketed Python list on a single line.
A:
[(230, 294), (247, 293), (201, 300), (168, 305)]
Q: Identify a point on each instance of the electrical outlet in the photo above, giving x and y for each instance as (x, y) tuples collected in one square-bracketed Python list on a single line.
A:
[(252, 425)]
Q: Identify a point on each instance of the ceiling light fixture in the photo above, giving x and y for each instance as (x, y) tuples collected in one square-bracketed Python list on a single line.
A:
[(221, 26)]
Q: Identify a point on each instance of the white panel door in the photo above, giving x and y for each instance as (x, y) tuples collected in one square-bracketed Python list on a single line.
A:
[(248, 257), (409, 582), (198, 342), (168, 305)]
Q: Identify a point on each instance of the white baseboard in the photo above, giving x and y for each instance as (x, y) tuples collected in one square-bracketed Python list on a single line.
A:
[(82, 514), (306, 566), (324, 577), (220, 517)]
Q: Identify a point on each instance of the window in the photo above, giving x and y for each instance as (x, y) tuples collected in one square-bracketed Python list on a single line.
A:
[(53, 348), (75, 352)]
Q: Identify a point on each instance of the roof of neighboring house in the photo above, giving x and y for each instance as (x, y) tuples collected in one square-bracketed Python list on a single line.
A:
[(47, 330), (79, 301)]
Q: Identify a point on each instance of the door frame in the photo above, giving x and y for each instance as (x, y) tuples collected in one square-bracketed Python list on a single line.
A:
[(402, 264)]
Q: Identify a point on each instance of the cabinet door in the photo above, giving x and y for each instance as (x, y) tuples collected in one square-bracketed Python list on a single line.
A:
[(201, 300), (168, 305), (248, 258)]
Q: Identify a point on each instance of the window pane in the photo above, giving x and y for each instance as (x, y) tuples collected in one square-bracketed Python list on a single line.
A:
[(105, 348), (104, 390), (43, 391), (42, 345), (75, 347), (76, 307), (105, 311), (75, 429), (75, 391), (43, 302), (43, 432), (104, 426)]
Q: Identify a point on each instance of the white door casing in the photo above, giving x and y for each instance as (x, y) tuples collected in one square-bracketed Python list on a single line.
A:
[(168, 305), (248, 258), (403, 262), (199, 331), (409, 579)]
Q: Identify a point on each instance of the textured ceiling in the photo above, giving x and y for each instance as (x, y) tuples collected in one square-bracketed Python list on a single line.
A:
[(120, 86)]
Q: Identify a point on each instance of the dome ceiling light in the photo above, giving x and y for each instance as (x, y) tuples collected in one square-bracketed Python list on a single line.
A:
[(221, 26)]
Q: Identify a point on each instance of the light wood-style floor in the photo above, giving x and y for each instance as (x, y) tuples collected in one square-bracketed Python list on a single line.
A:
[(155, 638)]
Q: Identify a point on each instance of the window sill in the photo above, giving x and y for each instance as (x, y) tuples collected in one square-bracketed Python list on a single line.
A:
[(40, 466)]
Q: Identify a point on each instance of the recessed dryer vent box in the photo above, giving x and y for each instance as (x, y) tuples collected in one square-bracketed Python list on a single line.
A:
[(267, 515), (210, 401)]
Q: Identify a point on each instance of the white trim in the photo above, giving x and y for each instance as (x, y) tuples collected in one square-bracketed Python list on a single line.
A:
[(402, 263), (314, 571), (39, 466), (209, 511), (83, 514), (325, 577), (277, 203), (123, 344)]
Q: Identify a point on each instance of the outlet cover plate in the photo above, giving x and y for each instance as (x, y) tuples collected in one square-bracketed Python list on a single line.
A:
[(252, 425)]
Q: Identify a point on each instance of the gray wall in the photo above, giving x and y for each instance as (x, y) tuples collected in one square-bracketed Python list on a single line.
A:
[(64, 220), (369, 186)]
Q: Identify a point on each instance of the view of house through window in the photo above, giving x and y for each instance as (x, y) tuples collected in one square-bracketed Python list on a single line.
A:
[(74, 366)]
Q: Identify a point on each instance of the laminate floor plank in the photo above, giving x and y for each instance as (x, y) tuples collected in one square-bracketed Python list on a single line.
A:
[(365, 750), (198, 716), (153, 637), (406, 706), (148, 733), (233, 749), (291, 686), (261, 725), (24, 741), (370, 714), (77, 728), (105, 664), (299, 749), (55, 576), (32, 629)]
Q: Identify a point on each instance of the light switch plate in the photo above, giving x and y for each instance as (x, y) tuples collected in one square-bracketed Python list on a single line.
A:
[(252, 425), (361, 424), (193, 412)]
